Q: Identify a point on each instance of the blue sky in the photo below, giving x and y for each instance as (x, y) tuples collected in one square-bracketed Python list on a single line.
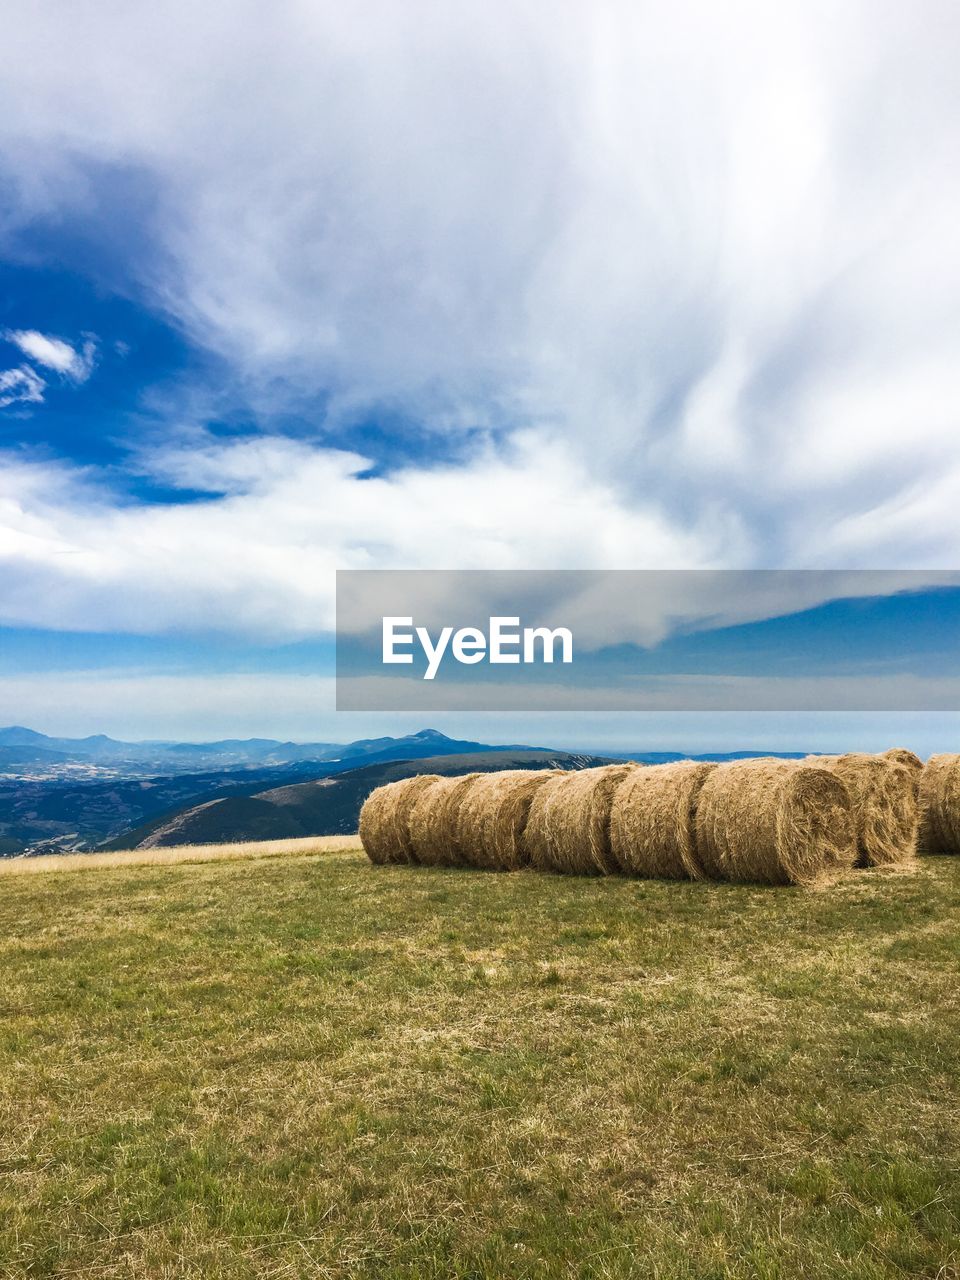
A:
[(435, 288)]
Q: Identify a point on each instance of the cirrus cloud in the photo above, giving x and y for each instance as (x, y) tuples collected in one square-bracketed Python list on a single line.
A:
[(20, 386), (55, 354), (260, 557), (23, 384), (709, 255)]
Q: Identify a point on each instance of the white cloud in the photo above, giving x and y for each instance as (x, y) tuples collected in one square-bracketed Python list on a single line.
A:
[(20, 386), (710, 253), (54, 353), (261, 559)]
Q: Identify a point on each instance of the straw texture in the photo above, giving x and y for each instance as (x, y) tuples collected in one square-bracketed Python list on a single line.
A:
[(569, 825), (885, 798), (492, 817), (385, 819), (774, 822), (434, 821), (653, 818), (940, 805)]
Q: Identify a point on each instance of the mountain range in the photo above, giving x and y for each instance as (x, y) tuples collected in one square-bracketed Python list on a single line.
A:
[(25, 751), (83, 793), (87, 802)]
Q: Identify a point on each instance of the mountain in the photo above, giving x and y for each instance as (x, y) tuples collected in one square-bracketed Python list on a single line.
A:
[(98, 753), (428, 742), (24, 752), (19, 758), (76, 808), (324, 806), (16, 735)]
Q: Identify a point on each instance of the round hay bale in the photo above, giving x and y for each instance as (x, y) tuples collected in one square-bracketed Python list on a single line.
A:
[(385, 819), (652, 821), (374, 833), (774, 822), (434, 820), (569, 825), (901, 755), (884, 794), (492, 816), (940, 804)]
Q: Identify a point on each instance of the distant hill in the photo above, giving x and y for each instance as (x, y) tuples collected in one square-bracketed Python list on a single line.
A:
[(69, 806), (325, 806), (14, 757), (25, 751)]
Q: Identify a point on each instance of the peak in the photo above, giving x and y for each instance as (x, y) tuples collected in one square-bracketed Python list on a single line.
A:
[(19, 733)]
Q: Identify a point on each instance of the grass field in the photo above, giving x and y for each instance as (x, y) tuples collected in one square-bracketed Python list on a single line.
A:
[(311, 1067), (59, 862)]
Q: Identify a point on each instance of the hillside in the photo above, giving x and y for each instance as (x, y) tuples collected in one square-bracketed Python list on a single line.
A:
[(26, 752), (325, 806), (74, 805), (311, 1067)]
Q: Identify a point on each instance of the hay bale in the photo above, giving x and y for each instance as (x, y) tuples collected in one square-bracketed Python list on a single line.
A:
[(911, 761), (901, 755), (774, 822), (374, 833), (940, 805), (433, 821), (492, 816), (569, 825), (884, 794), (652, 821), (385, 819)]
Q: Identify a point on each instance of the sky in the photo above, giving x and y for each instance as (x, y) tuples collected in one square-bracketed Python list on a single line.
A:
[(606, 285)]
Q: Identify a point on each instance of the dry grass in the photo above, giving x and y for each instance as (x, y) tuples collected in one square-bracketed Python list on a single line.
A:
[(940, 804), (434, 821), (374, 832), (568, 829), (181, 853), (312, 1069), (385, 819), (774, 822), (652, 821), (902, 755), (884, 792), (492, 818)]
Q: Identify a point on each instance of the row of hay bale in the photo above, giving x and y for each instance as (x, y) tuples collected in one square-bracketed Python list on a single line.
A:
[(940, 805), (765, 820)]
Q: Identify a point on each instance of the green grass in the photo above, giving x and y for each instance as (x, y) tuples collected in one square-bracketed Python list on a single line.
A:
[(318, 1068)]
